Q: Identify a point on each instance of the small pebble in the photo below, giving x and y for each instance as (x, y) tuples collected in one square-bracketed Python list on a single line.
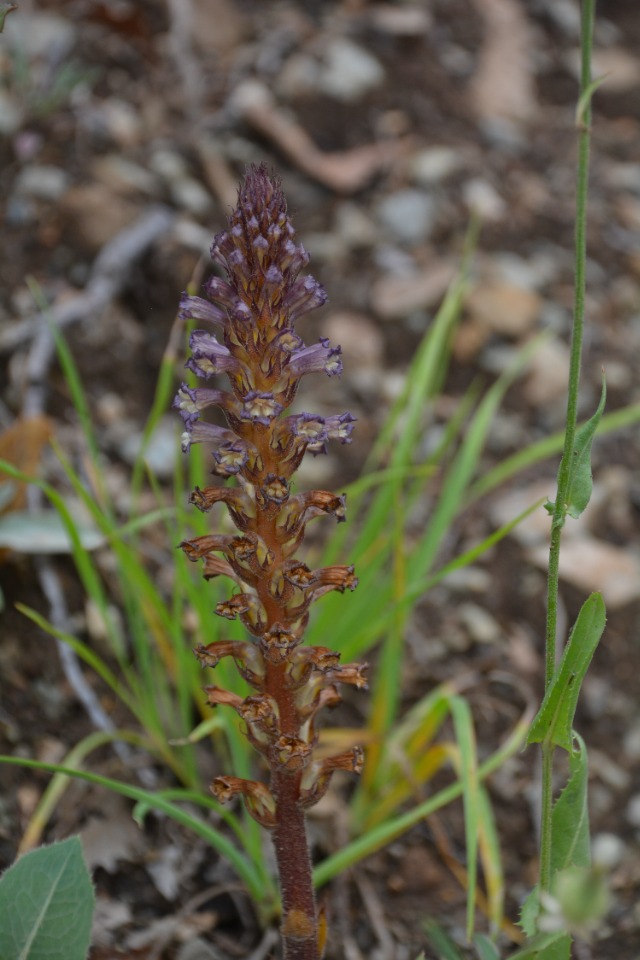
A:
[(607, 850), (478, 622), (37, 35), (190, 195), (633, 811), (482, 198), (433, 165), (408, 214), (10, 114), (631, 742), (348, 71), (44, 182)]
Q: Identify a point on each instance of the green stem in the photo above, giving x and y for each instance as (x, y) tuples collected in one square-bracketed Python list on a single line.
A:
[(564, 473)]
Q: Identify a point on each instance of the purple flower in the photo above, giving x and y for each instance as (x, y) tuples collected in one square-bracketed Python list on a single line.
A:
[(304, 295), (260, 407), (190, 401), (318, 357), (231, 457), (307, 426), (198, 431), (195, 308), (209, 356), (340, 427)]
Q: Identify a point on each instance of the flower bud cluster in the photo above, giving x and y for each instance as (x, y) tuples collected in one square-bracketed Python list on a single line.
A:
[(250, 337)]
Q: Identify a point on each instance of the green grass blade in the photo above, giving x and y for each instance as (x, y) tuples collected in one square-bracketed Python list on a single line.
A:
[(76, 389), (59, 782), (385, 833), (468, 773), (491, 858), (243, 867)]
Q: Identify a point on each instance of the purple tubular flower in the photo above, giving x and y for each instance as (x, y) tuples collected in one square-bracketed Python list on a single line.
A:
[(260, 407), (340, 427), (307, 426), (209, 356), (230, 457), (190, 401), (304, 295), (224, 294), (198, 431), (294, 257), (320, 356), (195, 308)]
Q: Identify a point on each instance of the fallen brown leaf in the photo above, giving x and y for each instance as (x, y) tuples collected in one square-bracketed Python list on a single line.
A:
[(344, 172)]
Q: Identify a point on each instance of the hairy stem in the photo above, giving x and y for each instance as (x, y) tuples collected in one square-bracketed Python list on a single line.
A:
[(564, 473), (299, 927)]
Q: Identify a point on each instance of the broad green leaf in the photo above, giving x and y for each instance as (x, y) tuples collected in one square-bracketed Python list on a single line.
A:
[(44, 532), (485, 948), (46, 905), (582, 898), (554, 721), (570, 843), (546, 946), (581, 478), (570, 818)]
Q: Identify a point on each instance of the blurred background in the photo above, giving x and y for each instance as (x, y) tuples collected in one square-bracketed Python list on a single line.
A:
[(124, 129)]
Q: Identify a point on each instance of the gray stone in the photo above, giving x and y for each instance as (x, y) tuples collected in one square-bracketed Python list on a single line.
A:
[(40, 34), (607, 850), (20, 211), (162, 449), (189, 194), (482, 198), (10, 114), (479, 624), (354, 227), (42, 181), (434, 164), (633, 811), (408, 214), (348, 72)]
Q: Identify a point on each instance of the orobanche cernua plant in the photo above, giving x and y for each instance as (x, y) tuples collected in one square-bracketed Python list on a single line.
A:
[(256, 346)]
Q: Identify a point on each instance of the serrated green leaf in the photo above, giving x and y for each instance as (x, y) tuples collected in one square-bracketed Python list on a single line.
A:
[(485, 948), (529, 912), (46, 905), (554, 721), (570, 845), (581, 478), (546, 946)]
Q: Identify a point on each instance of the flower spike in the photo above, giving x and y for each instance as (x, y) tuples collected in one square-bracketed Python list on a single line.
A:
[(253, 311)]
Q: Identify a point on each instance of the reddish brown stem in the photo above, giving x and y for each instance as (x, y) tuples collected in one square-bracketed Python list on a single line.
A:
[(300, 926)]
